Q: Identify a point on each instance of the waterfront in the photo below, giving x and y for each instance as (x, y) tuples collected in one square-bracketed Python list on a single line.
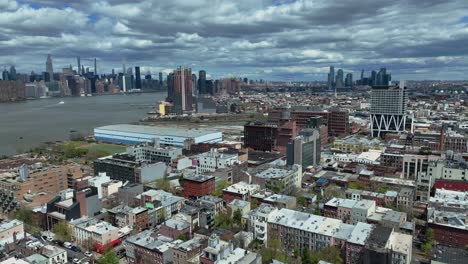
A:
[(24, 125)]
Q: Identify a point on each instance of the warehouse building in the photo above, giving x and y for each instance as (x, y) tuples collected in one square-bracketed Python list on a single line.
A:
[(136, 134)]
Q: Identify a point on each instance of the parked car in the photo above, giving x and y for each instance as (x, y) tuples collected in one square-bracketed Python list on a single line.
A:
[(75, 248), (67, 245), (88, 254)]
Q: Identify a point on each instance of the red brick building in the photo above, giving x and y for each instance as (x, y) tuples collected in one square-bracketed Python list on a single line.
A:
[(450, 236), (175, 228), (197, 186), (336, 120)]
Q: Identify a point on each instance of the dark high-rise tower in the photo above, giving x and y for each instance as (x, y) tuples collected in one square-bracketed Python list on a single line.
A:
[(170, 87), (137, 77), (182, 90), (349, 80), (12, 73), (5, 75), (339, 79), (95, 66), (160, 79), (202, 82), (331, 78), (78, 60)]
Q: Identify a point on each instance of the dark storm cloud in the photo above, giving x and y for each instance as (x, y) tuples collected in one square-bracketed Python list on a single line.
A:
[(269, 39)]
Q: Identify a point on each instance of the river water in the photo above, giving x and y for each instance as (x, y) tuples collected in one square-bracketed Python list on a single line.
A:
[(24, 125)]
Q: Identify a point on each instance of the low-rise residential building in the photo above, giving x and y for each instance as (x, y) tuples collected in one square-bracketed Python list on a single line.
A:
[(240, 190), (98, 181), (362, 210), (213, 160), (161, 205), (280, 179), (89, 231), (446, 215), (10, 231), (136, 218), (110, 188), (189, 251), (153, 152), (174, 229), (258, 221), (281, 201), (54, 254), (387, 246), (222, 252), (242, 206), (147, 248), (196, 186)]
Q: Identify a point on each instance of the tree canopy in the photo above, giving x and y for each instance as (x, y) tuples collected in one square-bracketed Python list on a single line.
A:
[(62, 231)]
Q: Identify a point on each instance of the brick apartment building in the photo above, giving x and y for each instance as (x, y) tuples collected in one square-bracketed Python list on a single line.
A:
[(196, 186)]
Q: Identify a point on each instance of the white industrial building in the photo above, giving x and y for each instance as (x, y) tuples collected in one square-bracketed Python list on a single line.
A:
[(136, 134)]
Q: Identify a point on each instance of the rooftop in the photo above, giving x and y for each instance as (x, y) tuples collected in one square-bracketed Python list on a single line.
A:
[(361, 233), (149, 240), (239, 203), (198, 178), (157, 130), (275, 172), (8, 224), (401, 243), (176, 224), (242, 188)]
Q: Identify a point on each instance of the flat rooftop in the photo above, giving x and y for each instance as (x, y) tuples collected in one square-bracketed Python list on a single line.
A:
[(157, 130)]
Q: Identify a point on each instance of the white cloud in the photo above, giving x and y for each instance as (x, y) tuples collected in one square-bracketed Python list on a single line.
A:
[(261, 39), (245, 44)]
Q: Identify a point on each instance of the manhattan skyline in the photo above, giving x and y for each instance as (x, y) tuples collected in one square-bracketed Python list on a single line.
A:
[(270, 39)]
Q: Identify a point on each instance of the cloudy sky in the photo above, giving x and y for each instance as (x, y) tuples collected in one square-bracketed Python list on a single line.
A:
[(269, 39)]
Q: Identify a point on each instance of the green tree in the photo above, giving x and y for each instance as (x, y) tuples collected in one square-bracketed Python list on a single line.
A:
[(182, 237), (26, 215), (62, 231), (253, 203), (223, 220), (164, 184), (273, 251), (109, 257), (237, 217), (306, 257), (331, 254), (220, 186), (428, 241)]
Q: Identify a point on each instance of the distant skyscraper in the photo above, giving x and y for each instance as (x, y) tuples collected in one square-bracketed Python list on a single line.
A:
[(49, 67), (170, 87), (95, 66), (388, 110), (194, 84), (13, 73), (137, 77), (160, 79), (331, 78), (78, 59), (373, 78), (182, 90), (383, 79), (202, 82), (349, 80), (82, 70), (339, 79), (5, 75)]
